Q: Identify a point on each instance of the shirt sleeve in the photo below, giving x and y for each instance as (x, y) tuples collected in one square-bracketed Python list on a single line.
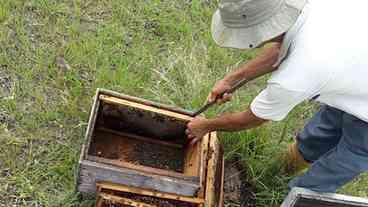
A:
[(275, 102)]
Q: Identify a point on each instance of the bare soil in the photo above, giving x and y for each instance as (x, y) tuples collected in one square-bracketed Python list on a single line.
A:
[(6, 85), (138, 152), (238, 191), (6, 119)]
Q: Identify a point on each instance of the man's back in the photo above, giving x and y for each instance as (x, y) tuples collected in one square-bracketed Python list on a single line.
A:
[(329, 57)]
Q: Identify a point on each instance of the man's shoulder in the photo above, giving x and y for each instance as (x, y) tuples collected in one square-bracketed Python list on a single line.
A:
[(298, 77)]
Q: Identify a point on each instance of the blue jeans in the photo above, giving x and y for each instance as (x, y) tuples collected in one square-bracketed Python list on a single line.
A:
[(336, 143)]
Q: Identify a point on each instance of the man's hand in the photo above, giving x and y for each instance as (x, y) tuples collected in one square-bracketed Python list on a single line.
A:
[(259, 66), (197, 128), (220, 87)]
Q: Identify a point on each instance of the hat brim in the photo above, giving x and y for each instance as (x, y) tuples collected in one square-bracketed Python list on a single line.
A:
[(253, 36)]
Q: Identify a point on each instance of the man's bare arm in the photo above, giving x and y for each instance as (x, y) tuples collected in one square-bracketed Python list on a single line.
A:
[(260, 65), (198, 127), (235, 121)]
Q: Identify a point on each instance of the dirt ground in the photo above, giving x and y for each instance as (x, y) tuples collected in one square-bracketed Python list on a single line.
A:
[(238, 191), (6, 85)]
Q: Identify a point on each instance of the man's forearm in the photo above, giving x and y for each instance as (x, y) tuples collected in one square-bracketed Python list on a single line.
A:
[(258, 66), (235, 121)]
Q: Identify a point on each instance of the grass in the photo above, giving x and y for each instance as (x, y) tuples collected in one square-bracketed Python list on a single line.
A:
[(156, 49)]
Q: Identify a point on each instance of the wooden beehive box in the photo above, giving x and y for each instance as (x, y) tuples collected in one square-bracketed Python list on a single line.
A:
[(138, 144)]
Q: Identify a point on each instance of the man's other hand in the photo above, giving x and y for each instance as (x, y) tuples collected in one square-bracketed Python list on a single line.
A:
[(220, 87), (196, 129)]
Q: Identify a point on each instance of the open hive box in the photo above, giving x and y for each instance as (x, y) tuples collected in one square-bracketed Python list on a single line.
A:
[(136, 154), (300, 197)]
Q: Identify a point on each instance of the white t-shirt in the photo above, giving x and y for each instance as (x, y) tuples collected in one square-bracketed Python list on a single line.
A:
[(327, 58)]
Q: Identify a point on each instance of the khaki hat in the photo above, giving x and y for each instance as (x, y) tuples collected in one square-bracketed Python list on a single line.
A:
[(245, 24)]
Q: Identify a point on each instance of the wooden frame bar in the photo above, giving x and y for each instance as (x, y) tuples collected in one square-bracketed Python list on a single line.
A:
[(214, 179), (143, 169), (145, 102), (120, 200), (204, 162), (114, 100), (122, 188), (141, 138), (91, 124), (92, 172)]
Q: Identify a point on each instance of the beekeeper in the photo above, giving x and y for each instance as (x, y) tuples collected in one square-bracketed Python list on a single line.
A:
[(318, 50)]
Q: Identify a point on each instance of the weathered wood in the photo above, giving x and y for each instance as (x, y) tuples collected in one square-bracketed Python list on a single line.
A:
[(214, 173), (99, 201), (145, 102), (204, 161), (124, 201), (114, 100), (140, 191), (192, 161), (143, 169), (92, 172), (91, 122), (141, 138), (221, 203)]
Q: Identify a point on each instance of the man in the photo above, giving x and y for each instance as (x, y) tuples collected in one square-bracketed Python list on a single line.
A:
[(318, 51)]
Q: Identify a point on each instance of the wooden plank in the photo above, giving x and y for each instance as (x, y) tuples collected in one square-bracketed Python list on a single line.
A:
[(140, 191), (92, 172), (91, 122), (99, 201), (77, 172), (143, 169), (114, 100), (141, 138), (214, 173), (193, 158), (221, 203), (192, 161), (145, 102), (124, 201), (204, 161)]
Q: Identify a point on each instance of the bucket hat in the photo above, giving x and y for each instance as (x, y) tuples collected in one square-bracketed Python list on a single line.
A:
[(245, 24)]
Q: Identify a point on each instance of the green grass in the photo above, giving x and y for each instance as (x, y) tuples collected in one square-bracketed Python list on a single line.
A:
[(155, 49)]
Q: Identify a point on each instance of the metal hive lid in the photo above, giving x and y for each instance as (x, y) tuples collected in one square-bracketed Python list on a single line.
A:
[(300, 197)]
